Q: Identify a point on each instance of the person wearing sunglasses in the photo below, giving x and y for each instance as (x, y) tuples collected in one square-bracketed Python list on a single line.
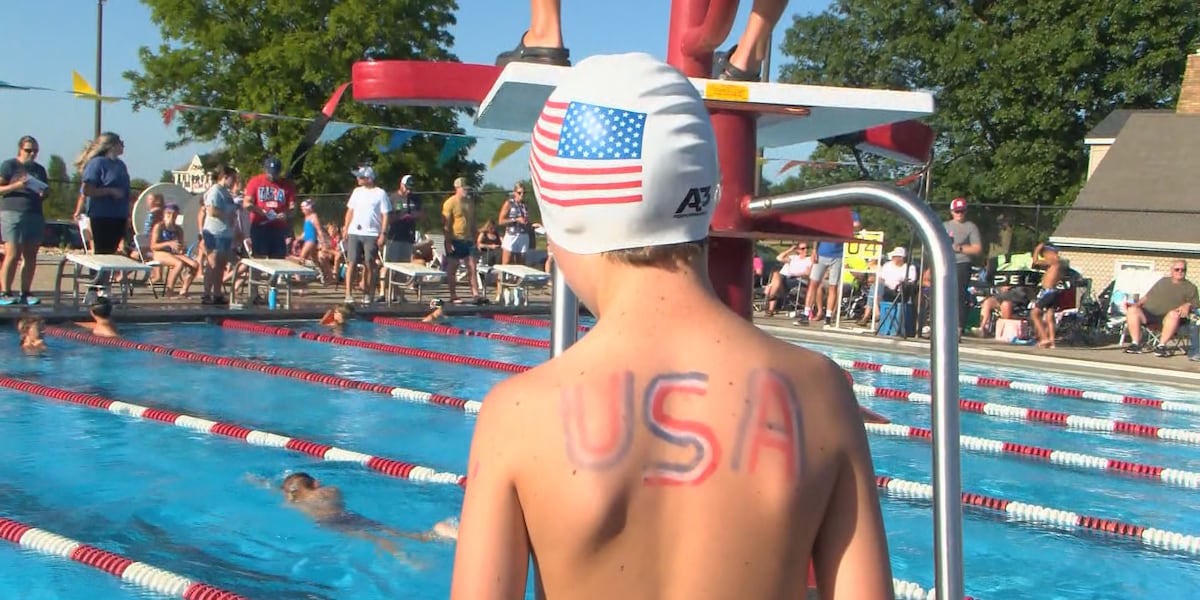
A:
[(23, 186), (1167, 304)]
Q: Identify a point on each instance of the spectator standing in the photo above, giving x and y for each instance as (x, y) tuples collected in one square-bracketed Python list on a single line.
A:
[(269, 198), (826, 277), (366, 210), (23, 185), (402, 223), (219, 229), (967, 244), (458, 225), (105, 191)]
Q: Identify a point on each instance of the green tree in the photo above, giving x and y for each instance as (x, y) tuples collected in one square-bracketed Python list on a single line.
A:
[(1017, 84), (60, 202), (286, 58)]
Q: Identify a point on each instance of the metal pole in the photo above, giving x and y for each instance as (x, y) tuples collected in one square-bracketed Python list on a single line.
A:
[(99, 60), (564, 329), (947, 483)]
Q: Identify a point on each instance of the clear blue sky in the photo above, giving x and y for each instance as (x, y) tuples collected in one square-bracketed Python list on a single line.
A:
[(66, 39)]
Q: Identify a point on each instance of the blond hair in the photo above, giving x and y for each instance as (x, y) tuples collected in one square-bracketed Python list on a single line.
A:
[(102, 145)]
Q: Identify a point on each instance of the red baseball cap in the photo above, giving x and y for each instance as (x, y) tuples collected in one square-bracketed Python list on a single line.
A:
[(958, 204)]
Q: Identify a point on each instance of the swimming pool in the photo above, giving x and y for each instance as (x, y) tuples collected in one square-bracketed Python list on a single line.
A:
[(181, 499)]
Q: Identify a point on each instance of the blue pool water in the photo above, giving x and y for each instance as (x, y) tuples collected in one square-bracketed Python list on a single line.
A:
[(182, 500)]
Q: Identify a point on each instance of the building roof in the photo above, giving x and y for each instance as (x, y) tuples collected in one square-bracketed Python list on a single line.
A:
[(1105, 132), (1152, 166)]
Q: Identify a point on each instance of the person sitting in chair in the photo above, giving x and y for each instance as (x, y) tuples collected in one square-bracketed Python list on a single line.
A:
[(1167, 303), (893, 275), (797, 264)]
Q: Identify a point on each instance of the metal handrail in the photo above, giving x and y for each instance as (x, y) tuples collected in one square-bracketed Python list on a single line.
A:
[(564, 328), (947, 482)]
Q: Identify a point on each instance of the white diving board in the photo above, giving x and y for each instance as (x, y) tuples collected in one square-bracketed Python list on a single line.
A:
[(103, 265), (274, 271), (518, 279), (402, 274), (787, 113)]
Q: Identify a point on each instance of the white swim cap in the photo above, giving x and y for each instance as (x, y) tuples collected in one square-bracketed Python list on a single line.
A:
[(624, 156)]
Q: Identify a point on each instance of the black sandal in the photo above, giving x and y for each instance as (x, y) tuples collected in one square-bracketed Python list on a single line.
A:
[(560, 57), (724, 70)]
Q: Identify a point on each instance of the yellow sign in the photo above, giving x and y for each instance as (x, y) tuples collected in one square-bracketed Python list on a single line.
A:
[(856, 254), (730, 92)]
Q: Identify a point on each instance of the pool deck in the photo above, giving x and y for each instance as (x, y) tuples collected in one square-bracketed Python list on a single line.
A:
[(313, 299)]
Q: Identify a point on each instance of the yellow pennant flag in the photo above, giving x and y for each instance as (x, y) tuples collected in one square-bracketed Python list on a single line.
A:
[(505, 150), (83, 89)]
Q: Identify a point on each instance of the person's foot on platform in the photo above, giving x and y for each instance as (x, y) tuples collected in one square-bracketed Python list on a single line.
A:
[(1162, 352), (725, 70), (542, 55), (1134, 348)]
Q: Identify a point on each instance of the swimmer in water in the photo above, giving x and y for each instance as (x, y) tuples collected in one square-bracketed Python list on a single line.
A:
[(30, 328), (337, 317), (327, 506), (438, 314), (102, 323)]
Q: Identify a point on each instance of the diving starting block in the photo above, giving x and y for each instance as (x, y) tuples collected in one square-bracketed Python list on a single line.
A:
[(402, 274), (100, 264), (515, 281), (511, 99), (274, 271)]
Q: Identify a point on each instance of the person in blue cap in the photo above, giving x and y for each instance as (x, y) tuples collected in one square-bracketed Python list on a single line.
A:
[(269, 198)]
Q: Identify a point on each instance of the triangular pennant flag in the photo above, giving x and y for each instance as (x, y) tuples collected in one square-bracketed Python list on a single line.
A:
[(397, 141), (452, 146), (789, 165), (332, 103), (333, 131), (8, 86), (505, 150), (83, 89)]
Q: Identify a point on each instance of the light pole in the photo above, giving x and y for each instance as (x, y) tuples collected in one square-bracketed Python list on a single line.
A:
[(99, 59)]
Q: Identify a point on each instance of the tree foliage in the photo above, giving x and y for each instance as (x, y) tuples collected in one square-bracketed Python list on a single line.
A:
[(59, 202), (1017, 84), (286, 57)]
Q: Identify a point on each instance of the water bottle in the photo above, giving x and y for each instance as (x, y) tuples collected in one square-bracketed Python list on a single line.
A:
[(271, 298)]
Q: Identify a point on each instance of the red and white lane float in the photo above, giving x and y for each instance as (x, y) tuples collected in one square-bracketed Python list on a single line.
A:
[(254, 437), (140, 574), (1051, 517), (445, 357), (448, 330), (1005, 411), (1032, 388), (1175, 477), (400, 393), (919, 373)]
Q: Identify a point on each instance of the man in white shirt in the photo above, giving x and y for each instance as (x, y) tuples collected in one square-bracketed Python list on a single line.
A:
[(892, 275), (365, 213)]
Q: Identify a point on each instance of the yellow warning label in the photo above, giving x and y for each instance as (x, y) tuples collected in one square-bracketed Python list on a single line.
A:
[(730, 92)]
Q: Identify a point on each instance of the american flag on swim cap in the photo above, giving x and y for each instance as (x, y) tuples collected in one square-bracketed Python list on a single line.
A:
[(623, 155), (588, 154)]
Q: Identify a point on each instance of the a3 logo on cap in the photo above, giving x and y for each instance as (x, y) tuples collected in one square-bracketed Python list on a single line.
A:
[(695, 202)]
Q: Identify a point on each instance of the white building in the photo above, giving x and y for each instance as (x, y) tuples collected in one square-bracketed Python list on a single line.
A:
[(193, 177)]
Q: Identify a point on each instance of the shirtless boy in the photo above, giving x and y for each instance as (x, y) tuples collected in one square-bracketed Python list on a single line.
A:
[(30, 327), (101, 323), (326, 505), (1045, 257), (655, 458)]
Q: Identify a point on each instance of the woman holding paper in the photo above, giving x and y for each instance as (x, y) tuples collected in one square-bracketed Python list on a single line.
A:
[(23, 185)]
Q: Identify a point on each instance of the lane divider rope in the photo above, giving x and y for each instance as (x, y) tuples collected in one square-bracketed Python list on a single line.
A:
[(519, 320), (975, 380), (137, 573), (448, 330), (1036, 415), (1053, 517), (395, 468), (400, 393), (1176, 477), (1032, 388), (446, 357)]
